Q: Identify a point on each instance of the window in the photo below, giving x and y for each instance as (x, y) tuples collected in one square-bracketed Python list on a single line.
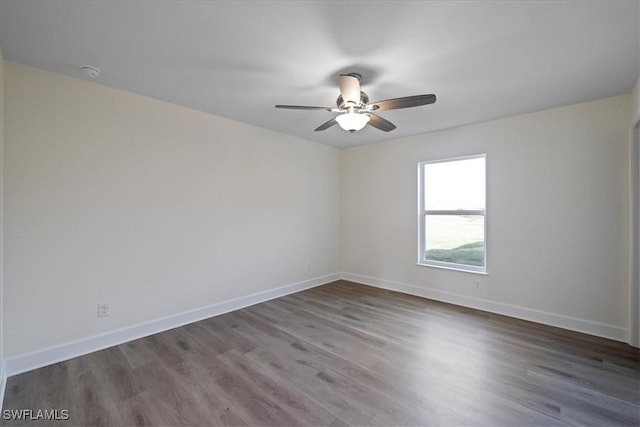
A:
[(452, 213)]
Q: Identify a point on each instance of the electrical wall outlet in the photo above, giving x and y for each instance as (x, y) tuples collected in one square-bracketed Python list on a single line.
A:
[(477, 285), (103, 309)]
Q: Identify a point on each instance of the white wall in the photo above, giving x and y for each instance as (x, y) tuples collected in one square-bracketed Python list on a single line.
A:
[(635, 101), (2, 323), (557, 215), (634, 210), (154, 208)]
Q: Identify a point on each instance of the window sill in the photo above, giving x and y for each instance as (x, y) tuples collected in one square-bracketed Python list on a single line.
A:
[(454, 268)]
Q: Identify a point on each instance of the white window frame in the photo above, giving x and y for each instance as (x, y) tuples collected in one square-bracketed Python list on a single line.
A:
[(422, 260)]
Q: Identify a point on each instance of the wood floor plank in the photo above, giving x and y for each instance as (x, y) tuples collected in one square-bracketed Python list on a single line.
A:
[(344, 354), (139, 411), (90, 404), (176, 402), (299, 405), (216, 327), (256, 404), (138, 353)]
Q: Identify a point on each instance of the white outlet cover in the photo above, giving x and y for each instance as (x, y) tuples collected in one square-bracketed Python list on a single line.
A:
[(103, 309)]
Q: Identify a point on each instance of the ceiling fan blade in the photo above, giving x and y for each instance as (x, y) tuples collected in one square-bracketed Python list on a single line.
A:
[(404, 102), (349, 88), (303, 107), (380, 123), (326, 125)]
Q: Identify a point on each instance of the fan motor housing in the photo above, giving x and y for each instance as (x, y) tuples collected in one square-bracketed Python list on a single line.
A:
[(364, 99)]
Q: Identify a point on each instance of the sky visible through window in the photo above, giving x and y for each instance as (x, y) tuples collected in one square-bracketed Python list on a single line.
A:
[(454, 185)]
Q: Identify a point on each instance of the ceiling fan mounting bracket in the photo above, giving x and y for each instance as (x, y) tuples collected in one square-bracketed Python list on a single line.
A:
[(356, 75)]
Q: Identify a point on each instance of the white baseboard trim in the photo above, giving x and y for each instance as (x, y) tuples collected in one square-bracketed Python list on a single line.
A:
[(3, 382), (47, 356), (565, 322)]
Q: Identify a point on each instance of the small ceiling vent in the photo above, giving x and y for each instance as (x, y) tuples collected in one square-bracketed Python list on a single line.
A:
[(89, 71)]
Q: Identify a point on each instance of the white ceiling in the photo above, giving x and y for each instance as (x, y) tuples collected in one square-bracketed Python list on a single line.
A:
[(238, 59)]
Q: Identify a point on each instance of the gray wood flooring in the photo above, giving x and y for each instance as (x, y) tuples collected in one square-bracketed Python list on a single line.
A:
[(344, 354)]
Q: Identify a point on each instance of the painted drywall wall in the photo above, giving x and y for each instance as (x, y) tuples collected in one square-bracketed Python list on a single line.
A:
[(634, 212), (151, 207), (557, 203), (2, 323), (635, 102)]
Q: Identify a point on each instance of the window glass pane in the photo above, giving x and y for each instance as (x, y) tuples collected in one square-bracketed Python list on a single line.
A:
[(456, 239), (454, 185)]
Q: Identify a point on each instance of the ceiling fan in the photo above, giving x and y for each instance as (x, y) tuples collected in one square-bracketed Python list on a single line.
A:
[(355, 109)]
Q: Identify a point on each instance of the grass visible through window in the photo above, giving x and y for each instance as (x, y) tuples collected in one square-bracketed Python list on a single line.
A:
[(468, 254), (455, 239)]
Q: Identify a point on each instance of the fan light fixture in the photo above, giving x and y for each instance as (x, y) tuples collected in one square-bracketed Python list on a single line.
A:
[(352, 121)]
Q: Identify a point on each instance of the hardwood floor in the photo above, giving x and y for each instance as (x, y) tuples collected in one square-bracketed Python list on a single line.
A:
[(344, 354)]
